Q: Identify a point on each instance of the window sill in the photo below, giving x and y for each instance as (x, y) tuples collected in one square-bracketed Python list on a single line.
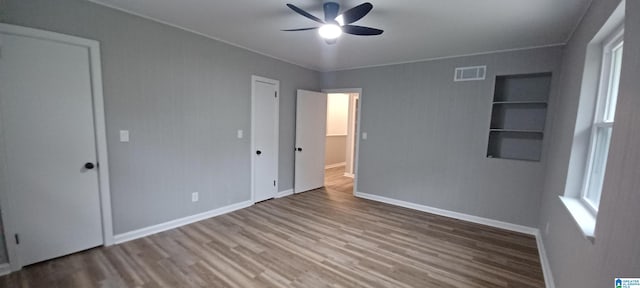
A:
[(583, 218)]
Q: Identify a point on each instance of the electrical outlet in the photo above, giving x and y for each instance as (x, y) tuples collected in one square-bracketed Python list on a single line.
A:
[(546, 228), (124, 136), (194, 197), (364, 135), (240, 134)]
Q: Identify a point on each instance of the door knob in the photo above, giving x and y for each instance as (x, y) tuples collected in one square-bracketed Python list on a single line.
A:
[(299, 149), (89, 165), (258, 152)]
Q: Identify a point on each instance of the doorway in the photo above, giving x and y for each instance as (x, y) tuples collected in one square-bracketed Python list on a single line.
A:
[(340, 144)]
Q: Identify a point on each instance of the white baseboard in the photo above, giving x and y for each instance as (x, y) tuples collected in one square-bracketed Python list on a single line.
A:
[(128, 236), (5, 269), (544, 261), (350, 175), (335, 165), (451, 214), (284, 193)]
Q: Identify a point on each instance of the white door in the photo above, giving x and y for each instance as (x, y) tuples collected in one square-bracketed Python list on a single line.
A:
[(311, 127), (265, 105), (48, 139)]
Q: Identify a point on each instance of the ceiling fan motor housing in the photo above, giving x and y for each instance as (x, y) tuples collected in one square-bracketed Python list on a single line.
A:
[(331, 10)]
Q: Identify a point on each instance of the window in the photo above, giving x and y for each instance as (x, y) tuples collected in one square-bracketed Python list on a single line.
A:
[(603, 121), (594, 123)]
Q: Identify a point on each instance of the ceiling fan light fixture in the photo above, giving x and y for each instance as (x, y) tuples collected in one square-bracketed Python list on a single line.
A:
[(333, 25), (330, 31)]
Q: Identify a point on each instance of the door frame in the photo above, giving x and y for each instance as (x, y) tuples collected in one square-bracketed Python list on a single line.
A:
[(351, 135), (356, 133), (100, 136), (254, 80)]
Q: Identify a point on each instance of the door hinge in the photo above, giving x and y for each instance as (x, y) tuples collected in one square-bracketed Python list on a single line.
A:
[(274, 183), (17, 239)]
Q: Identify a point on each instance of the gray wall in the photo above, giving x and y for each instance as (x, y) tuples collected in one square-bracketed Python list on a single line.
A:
[(167, 85), (335, 149), (183, 97), (575, 261), (427, 136), (3, 248)]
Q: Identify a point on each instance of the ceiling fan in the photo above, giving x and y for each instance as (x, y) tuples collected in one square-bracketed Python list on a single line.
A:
[(334, 25)]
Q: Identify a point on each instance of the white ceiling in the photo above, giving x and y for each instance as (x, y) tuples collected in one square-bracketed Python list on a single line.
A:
[(414, 29)]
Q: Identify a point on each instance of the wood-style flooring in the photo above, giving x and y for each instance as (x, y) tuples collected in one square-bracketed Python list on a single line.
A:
[(334, 179), (321, 238)]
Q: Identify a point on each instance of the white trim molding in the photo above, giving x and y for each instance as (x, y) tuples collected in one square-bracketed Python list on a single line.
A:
[(583, 218), (335, 165), (284, 193), (135, 234), (451, 214), (321, 69), (560, 44), (544, 262), (101, 143), (5, 269)]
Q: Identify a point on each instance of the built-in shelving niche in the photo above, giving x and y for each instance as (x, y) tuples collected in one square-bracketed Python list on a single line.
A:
[(518, 116)]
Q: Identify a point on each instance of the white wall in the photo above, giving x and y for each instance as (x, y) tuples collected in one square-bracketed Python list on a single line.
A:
[(337, 114), (337, 128), (335, 150)]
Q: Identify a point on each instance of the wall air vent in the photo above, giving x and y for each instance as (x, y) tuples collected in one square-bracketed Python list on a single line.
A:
[(472, 73)]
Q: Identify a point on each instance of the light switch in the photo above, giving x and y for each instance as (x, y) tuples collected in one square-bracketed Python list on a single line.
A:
[(240, 134), (364, 135), (124, 135)]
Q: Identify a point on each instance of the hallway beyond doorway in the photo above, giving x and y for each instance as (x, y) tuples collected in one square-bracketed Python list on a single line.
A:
[(335, 180)]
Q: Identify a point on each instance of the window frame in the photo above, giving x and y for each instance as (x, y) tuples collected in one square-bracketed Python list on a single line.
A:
[(614, 41)]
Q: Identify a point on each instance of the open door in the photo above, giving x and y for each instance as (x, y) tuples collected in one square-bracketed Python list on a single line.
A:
[(311, 126)]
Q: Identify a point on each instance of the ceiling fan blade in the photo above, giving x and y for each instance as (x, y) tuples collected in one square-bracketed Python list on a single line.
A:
[(304, 13), (356, 13), (301, 29), (331, 10), (360, 30)]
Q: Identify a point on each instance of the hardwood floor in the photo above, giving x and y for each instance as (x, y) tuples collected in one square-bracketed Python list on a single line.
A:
[(334, 179), (315, 239)]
